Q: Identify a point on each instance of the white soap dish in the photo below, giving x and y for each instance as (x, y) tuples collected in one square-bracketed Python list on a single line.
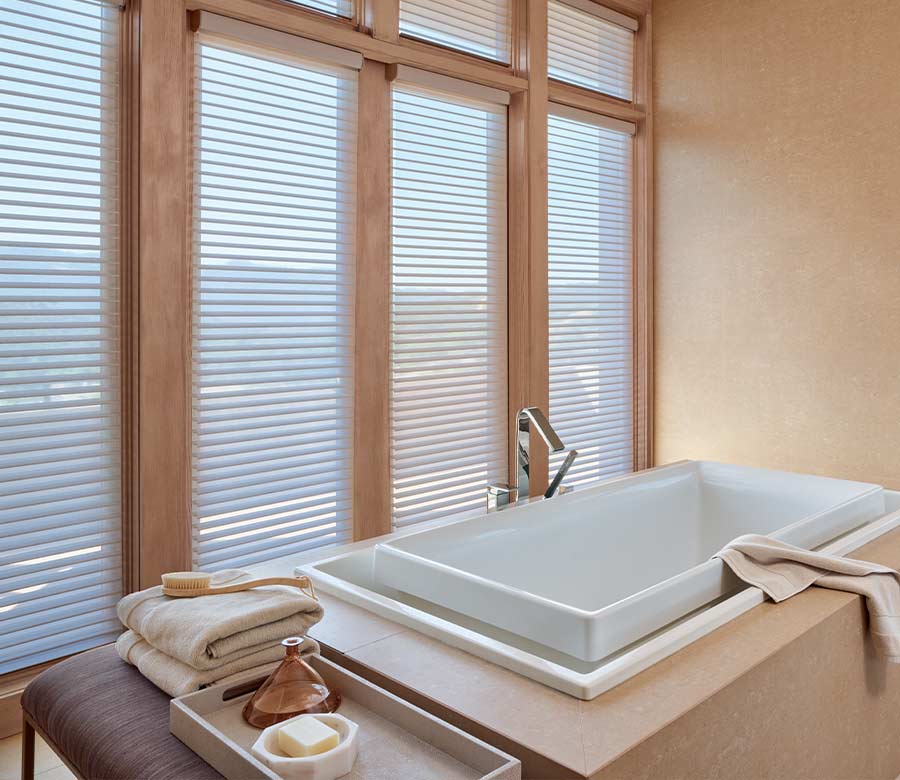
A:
[(329, 765)]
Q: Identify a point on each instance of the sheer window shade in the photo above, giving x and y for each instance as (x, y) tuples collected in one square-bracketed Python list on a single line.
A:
[(480, 27), (273, 268), (448, 368), (60, 520), (588, 50), (589, 266), (335, 7)]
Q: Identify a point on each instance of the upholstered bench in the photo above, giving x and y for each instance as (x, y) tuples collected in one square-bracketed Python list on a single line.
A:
[(106, 722)]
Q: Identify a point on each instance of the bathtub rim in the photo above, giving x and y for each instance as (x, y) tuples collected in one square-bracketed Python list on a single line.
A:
[(591, 635), (608, 672)]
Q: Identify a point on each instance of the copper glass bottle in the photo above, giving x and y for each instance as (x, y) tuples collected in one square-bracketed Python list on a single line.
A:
[(294, 688)]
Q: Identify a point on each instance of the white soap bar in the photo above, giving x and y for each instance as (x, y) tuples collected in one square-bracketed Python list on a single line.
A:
[(306, 736)]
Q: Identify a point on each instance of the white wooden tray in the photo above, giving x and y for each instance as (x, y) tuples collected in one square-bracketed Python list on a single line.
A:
[(397, 741)]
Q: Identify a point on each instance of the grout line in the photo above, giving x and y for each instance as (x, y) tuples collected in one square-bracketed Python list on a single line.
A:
[(581, 705), (401, 630)]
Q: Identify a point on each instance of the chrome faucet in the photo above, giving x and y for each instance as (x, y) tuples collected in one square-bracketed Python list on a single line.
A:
[(501, 495)]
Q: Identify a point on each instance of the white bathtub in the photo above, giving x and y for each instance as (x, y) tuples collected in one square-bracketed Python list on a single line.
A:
[(591, 572), (584, 590)]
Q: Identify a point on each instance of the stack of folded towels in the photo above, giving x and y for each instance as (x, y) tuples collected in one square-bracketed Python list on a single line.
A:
[(184, 644)]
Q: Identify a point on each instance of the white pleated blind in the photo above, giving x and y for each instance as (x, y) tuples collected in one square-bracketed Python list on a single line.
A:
[(480, 27), (273, 266), (590, 51), (589, 266), (335, 7), (60, 518), (448, 364)]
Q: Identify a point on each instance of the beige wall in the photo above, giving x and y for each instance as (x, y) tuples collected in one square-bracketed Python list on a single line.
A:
[(778, 234)]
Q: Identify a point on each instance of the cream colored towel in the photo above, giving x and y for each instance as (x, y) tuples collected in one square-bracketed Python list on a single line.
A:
[(208, 633), (781, 570), (177, 678)]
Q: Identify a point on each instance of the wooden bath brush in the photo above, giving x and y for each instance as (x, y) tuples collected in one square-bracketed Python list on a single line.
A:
[(187, 584)]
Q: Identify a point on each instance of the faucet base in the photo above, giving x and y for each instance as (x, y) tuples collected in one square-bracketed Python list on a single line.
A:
[(499, 496)]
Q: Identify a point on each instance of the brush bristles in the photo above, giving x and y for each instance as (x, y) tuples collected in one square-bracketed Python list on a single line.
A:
[(185, 580)]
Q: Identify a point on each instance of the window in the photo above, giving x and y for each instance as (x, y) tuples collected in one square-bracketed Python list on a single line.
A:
[(60, 506), (273, 271), (591, 46), (448, 331), (335, 7), (480, 27), (589, 266)]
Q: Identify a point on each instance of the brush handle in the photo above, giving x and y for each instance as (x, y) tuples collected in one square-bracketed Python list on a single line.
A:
[(304, 583)]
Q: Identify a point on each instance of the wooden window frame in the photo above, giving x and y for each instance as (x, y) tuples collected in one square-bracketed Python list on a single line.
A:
[(375, 34), (156, 126), (12, 684)]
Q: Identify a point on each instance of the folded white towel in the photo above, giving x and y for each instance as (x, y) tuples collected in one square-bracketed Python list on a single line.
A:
[(781, 570), (177, 678), (207, 633)]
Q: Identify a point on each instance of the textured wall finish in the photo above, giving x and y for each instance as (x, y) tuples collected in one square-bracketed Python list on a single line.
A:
[(778, 234)]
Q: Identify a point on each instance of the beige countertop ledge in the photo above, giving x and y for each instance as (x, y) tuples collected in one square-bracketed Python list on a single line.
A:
[(712, 681)]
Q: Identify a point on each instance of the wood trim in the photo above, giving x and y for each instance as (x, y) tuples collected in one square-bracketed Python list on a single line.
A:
[(371, 441), (13, 683), (338, 33), (538, 381), (517, 277), (382, 19), (163, 277), (643, 251), (517, 242), (11, 686), (593, 118), (424, 45), (596, 103), (634, 8), (404, 74), (272, 40), (518, 42), (603, 11), (129, 86), (10, 713), (156, 431)]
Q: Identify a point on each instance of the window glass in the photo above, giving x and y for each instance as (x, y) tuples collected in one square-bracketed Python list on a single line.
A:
[(448, 305), (479, 27), (273, 273), (60, 504), (590, 267), (589, 51), (336, 7)]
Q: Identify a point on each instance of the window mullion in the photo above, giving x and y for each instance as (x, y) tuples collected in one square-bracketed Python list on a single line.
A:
[(371, 445)]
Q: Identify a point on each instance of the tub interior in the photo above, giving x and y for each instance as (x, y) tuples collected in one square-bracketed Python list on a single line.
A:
[(592, 548), (354, 570)]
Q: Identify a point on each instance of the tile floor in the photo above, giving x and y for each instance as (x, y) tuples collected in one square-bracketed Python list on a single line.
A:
[(47, 766)]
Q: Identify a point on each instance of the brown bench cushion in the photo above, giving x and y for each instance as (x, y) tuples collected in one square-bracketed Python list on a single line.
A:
[(109, 722)]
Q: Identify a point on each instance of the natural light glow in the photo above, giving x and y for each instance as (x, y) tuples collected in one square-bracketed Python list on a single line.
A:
[(335, 7), (59, 399), (448, 303), (273, 274), (589, 51), (589, 268), (480, 27)]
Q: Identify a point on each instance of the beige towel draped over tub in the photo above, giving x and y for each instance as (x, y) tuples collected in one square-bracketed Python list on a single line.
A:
[(781, 570), (182, 644)]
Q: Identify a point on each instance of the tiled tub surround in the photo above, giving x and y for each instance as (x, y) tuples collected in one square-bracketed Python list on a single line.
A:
[(641, 515), (739, 703)]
